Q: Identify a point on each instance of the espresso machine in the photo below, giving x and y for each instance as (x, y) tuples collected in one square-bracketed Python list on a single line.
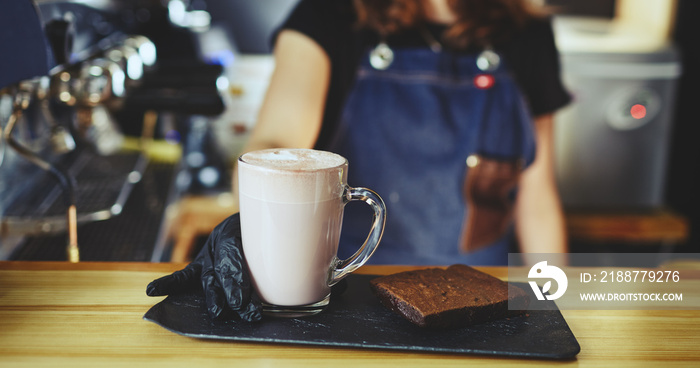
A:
[(79, 82)]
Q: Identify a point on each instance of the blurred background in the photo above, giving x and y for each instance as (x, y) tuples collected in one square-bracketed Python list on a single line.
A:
[(131, 112)]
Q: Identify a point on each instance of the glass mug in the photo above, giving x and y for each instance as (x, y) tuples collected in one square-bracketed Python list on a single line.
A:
[(291, 205)]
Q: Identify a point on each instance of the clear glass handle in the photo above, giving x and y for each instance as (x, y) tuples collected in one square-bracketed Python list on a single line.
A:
[(345, 267)]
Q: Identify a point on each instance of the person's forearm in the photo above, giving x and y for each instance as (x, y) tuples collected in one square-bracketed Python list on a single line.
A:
[(539, 218), (292, 110), (540, 224)]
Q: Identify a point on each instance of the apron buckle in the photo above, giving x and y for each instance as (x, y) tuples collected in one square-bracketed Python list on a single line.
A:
[(381, 56)]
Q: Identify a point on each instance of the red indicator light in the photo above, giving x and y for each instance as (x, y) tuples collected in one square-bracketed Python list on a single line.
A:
[(638, 111)]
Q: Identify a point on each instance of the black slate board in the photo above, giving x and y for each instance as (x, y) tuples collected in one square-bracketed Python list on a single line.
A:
[(356, 319)]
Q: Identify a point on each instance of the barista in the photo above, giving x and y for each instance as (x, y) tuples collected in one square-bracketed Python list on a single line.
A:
[(444, 107)]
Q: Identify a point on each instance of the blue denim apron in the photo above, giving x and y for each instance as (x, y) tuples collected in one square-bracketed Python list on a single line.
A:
[(407, 131)]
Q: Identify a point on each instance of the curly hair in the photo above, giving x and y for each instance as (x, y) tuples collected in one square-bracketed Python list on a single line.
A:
[(479, 22)]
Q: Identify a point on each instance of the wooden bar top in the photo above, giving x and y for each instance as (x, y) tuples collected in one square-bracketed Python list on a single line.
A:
[(57, 314), (638, 228)]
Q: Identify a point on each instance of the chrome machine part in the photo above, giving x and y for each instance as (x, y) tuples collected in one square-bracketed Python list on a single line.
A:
[(129, 60), (24, 96), (145, 48), (100, 81)]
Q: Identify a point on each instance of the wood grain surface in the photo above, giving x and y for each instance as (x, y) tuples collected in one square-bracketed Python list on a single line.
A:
[(56, 314)]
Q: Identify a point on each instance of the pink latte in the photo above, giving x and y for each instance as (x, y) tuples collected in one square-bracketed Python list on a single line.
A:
[(291, 213)]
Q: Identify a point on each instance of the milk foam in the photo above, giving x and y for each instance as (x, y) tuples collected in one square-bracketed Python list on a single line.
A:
[(292, 175), (293, 159)]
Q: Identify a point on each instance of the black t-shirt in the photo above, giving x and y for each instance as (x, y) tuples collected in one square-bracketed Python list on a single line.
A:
[(531, 54)]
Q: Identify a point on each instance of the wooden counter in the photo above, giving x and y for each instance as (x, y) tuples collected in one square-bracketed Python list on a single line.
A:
[(90, 315), (662, 226)]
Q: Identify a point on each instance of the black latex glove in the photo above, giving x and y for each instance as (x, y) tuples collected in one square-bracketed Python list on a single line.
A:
[(221, 272)]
